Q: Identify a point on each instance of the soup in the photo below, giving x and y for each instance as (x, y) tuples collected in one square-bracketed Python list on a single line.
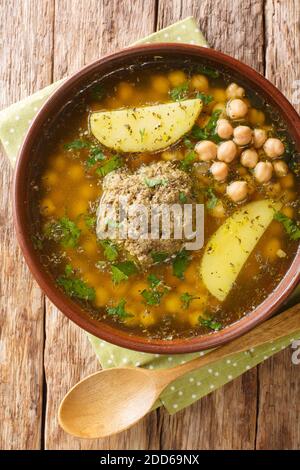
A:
[(169, 135)]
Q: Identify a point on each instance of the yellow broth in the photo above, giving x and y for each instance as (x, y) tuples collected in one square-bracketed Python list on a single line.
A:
[(69, 187)]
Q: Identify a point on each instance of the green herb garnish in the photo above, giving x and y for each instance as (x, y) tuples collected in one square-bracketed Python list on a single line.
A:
[(142, 134), (188, 161), (119, 311), (153, 295), (122, 271), (152, 182), (180, 263), (208, 71), (77, 144), (186, 299), (212, 199), (90, 221), (96, 155), (291, 227), (97, 92), (209, 131), (75, 287), (210, 323), (64, 231), (206, 99), (179, 92), (182, 197), (112, 164), (110, 250), (188, 143), (159, 256)]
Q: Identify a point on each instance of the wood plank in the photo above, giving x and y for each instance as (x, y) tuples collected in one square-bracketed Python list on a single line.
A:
[(279, 407), (83, 33), (26, 51), (228, 26)]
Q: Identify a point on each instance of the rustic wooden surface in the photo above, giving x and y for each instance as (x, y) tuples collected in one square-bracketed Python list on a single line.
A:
[(41, 353)]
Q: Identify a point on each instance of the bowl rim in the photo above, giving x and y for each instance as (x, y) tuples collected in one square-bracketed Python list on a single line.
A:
[(73, 310)]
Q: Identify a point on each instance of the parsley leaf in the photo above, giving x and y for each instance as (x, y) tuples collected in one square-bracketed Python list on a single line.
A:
[(121, 271), (96, 155), (142, 134), (212, 199), (188, 161), (182, 197), (210, 323), (110, 250), (77, 144), (291, 227), (209, 131), (110, 165), (75, 287), (97, 92), (179, 92), (206, 99), (64, 231), (153, 295), (119, 310), (186, 299), (152, 182), (159, 256), (180, 263), (208, 71)]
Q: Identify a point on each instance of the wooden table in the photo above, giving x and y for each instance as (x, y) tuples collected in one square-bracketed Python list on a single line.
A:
[(41, 352)]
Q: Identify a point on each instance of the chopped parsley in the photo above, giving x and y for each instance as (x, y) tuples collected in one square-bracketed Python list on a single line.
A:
[(209, 131), (212, 199), (90, 221), (157, 289), (142, 134), (96, 155), (64, 231), (188, 143), (112, 164), (186, 299), (119, 311), (182, 197), (291, 227), (208, 71), (121, 271), (152, 182), (159, 256), (74, 286), (77, 144), (180, 263), (179, 92), (188, 161), (110, 250), (206, 99), (210, 323), (97, 92)]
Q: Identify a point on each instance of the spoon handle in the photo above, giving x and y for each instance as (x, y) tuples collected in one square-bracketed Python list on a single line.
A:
[(279, 326)]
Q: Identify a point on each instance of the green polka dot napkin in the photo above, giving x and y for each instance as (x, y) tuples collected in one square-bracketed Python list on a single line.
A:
[(14, 122)]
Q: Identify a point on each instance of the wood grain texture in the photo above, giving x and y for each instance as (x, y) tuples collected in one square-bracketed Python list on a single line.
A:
[(102, 27), (26, 51), (279, 380)]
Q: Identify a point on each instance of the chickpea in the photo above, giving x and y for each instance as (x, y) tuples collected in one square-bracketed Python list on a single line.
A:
[(249, 158), (47, 207), (147, 319), (263, 172), (218, 211), (160, 83), (236, 109), (237, 191), (224, 129), (234, 91), (200, 82), (219, 170), (220, 107), (256, 117), (125, 91), (75, 172), (227, 151), (169, 155), (281, 168), (259, 137), (206, 150), (219, 94), (173, 303), (287, 182), (242, 135), (176, 78), (271, 248), (102, 296), (273, 147)]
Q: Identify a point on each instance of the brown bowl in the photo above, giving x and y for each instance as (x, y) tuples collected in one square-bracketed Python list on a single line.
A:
[(28, 158)]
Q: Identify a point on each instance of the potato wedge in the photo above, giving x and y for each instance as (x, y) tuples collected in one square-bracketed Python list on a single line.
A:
[(229, 247), (145, 129)]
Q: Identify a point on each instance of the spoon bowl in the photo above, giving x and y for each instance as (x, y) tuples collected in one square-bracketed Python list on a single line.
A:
[(103, 411)]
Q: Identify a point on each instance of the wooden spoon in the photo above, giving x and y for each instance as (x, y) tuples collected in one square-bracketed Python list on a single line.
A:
[(112, 400)]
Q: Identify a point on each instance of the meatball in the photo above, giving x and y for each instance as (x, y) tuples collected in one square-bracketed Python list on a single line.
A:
[(156, 184)]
